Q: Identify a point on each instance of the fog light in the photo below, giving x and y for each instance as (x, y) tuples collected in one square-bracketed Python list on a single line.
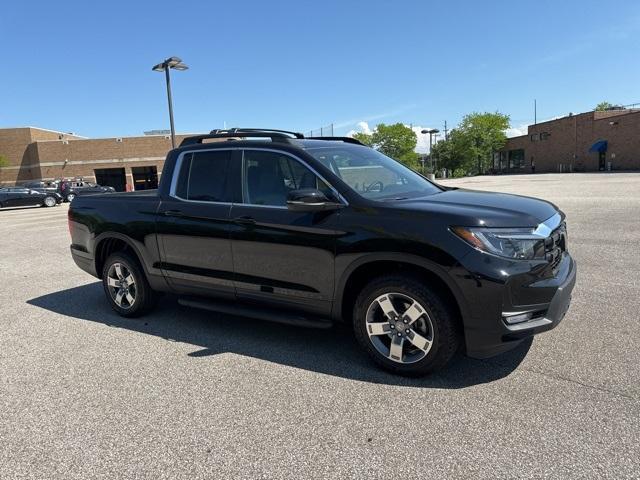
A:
[(517, 318)]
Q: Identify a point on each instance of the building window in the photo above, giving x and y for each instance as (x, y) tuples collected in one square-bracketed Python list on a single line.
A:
[(535, 137), (545, 136), (503, 161), (516, 158), (496, 161)]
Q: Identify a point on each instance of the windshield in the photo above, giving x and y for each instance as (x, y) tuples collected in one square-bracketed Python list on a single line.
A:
[(372, 174)]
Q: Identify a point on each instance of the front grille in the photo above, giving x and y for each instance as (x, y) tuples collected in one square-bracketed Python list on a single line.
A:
[(556, 244)]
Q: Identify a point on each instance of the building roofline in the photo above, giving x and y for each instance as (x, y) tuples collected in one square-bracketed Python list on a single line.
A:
[(73, 136), (44, 130), (618, 112), (124, 137)]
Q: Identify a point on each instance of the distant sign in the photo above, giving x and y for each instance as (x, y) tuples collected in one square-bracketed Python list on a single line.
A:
[(158, 132)]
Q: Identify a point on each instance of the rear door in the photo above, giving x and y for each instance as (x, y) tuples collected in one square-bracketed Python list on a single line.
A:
[(282, 257), (193, 225)]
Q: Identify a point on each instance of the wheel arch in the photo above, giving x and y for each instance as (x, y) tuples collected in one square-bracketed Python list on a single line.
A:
[(111, 242), (361, 271)]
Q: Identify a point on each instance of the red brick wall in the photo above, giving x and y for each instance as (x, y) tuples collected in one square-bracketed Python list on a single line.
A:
[(40, 154), (571, 138)]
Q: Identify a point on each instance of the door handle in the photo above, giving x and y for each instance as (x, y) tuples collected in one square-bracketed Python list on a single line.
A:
[(244, 220), (173, 213)]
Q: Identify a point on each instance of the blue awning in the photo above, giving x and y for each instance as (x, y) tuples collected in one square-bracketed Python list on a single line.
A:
[(599, 146)]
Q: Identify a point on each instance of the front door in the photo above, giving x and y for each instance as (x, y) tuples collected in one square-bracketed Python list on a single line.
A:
[(22, 197), (602, 161), (280, 256), (193, 225)]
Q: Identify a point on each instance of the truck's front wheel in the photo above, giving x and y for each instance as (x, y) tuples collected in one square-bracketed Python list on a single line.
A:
[(126, 286), (405, 326)]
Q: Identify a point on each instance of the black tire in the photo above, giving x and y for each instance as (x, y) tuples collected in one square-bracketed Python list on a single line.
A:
[(49, 201), (144, 297), (440, 325)]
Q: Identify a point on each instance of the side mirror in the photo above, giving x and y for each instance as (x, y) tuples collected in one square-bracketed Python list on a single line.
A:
[(310, 200)]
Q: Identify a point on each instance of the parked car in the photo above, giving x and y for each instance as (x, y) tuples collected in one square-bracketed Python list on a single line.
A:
[(43, 186), (314, 231), (70, 189), (25, 197)]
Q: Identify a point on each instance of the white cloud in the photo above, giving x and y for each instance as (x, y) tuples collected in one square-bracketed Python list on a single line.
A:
[(517, 131), (423, 138), (363, 127)]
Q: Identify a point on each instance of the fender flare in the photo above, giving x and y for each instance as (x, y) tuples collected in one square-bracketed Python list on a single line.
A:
[(432, 267), (110, 235)]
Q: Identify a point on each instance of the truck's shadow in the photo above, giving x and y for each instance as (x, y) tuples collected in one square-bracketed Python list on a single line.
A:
[(332, 352)]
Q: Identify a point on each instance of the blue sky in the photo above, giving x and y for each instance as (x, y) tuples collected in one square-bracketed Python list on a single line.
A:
[(86, 66)]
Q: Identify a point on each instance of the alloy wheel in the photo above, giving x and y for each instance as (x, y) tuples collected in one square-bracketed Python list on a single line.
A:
[(399, 328), (50, 201), (122, 285)]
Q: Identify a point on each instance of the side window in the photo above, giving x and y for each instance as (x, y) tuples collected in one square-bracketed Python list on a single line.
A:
[(204, 176), (270, 176)]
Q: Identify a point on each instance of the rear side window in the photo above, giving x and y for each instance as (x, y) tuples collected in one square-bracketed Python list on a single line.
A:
[(204, 176)]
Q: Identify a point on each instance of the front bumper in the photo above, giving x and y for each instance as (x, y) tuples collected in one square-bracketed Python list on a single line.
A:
[(546, 299)]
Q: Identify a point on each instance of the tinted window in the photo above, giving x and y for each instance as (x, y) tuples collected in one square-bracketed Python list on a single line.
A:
[(270, 176), (372, 174), (204, 176)]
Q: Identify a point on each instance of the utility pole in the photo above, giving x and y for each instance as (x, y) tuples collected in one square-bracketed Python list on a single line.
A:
[(535, 111), (446, 136)]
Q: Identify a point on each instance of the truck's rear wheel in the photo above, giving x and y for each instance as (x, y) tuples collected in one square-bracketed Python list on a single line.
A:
[(126, 286), (405, 326)]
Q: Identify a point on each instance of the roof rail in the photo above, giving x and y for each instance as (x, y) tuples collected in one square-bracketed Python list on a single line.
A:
[(251, 130), (275, 136), (233, 135), (341, 139)]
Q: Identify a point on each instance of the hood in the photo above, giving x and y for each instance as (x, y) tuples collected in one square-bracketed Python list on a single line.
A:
[(474, 208)]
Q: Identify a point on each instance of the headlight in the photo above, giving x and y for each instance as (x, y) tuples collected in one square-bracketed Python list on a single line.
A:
[(516, 243)]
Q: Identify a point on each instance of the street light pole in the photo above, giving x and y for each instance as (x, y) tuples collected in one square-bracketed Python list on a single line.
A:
[(170, 100), (168, 64), (430, 131)]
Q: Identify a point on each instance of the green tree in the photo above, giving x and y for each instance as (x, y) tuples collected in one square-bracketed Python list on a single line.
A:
[(396, 141), (362, 137), (603, 106), (482, 134), (452, 154), (469, 147)]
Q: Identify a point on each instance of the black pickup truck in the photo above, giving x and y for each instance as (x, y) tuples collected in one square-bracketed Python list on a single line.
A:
[(314, 231)]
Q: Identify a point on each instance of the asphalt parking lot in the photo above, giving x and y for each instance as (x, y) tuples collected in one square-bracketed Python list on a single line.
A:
[(190, 394)]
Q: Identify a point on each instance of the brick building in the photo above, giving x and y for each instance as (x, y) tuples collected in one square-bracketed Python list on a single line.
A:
[(585, 142), (123, 163)]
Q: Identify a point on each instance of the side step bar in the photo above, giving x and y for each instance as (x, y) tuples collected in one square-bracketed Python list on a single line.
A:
[(260, 313)]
